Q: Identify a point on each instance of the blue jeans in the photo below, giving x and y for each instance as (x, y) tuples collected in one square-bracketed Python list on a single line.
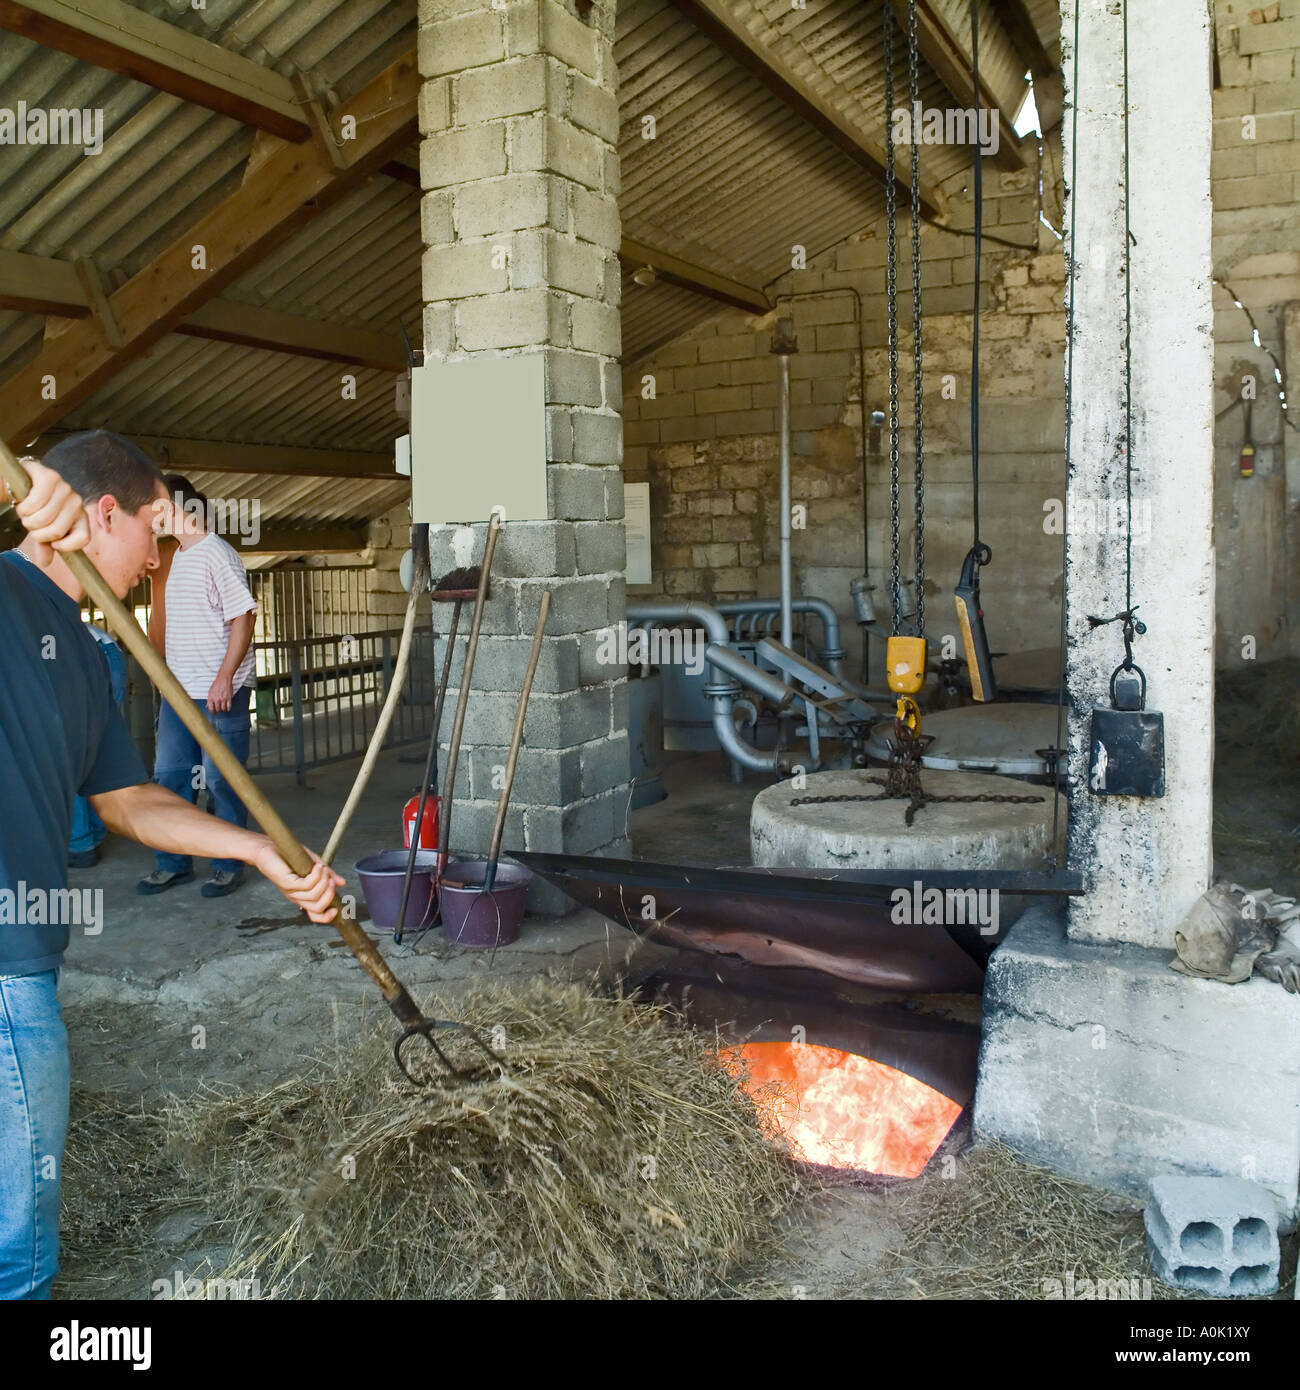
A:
[(178, 758), (33, 1128)]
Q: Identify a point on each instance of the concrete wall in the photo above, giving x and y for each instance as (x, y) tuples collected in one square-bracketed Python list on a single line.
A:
[(1256, 250)]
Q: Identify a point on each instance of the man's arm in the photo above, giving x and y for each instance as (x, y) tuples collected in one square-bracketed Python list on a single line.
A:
[(241, 637), (157, 818)]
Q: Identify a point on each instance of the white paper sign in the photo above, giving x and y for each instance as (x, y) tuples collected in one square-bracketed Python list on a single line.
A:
[(636, 511)]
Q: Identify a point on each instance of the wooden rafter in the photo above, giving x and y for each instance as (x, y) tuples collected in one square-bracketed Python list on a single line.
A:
[(117, 36), (270, 460), (718, 19), (690, 276), (292, 185)]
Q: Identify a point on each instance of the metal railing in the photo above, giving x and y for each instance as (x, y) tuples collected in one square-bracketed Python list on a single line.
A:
[(317, 699)]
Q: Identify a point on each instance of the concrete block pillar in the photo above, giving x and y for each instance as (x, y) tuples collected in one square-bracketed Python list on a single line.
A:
[(1147, 860), (519, 166)]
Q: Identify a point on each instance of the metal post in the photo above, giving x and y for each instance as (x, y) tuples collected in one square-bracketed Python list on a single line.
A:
[(295, 685), (783, 344)]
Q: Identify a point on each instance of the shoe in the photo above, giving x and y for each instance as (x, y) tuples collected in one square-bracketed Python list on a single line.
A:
[(160, 880), (222, 882), (83, 858)]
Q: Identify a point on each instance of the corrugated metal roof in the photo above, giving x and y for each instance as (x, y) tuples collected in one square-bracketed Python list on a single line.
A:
[(732, 180)]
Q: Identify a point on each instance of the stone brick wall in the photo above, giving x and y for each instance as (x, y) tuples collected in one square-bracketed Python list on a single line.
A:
[(1256, 250), (707, 442)]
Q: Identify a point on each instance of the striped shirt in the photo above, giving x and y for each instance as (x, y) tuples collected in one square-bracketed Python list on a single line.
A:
[(207, 590)]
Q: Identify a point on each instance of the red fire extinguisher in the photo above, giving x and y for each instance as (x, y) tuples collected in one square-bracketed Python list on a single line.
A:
[(428, 824)]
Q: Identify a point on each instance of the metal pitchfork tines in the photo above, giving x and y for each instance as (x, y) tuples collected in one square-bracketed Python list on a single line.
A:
[(291, 849), (422, 1027)]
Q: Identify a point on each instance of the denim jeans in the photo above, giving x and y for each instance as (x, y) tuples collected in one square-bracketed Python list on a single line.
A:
[(178, 756), (33, 1127)]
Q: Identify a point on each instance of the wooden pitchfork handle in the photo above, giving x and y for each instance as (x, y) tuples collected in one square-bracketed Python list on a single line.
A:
[(286, 842)]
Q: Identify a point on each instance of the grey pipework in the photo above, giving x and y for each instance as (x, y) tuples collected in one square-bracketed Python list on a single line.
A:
[(833, 653), (723, 691)]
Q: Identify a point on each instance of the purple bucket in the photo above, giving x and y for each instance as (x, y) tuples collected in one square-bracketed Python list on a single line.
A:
[(381, 878), (471, 917)]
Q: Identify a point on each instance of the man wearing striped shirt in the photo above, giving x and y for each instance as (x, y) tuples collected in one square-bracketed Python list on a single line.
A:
[(209, 634)]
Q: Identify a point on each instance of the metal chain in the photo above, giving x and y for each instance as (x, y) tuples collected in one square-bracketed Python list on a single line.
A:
[(918, 395), (902, 779), (891, 296)]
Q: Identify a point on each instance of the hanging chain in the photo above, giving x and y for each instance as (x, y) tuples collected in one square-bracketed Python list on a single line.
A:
[(891, 296), (902, 780), (918, 395)]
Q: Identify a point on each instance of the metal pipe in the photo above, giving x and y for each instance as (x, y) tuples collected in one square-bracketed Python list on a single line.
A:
[(833, 652), (769, 686), (722, 692), (783, 360)]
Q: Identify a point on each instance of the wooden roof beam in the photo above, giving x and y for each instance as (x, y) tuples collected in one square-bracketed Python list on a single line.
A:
[(292, 185), (38, 285), (690, 276), (718, 19), (175, 455), (113, 35), (950, 60)]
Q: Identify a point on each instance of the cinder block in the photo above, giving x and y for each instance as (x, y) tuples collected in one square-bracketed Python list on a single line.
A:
[(601, 546), (502, 89), (613, 499), (605, 764), (577, 605), (576, 266), (597, 327), (434, 106), (612, 378), (551, 143), (568, 719), (597, 438), (535, 549), (596, 219), (576, 492), (506, 204), (460, 156), (465, 41), (517, 318), (435, 219), (594, 108), (462, 270), (543, 776), (1213, 1235), (573, 378)]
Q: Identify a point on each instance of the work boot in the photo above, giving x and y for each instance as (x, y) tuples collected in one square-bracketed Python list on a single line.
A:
[(83, 858), (160, 880), (222, 882)]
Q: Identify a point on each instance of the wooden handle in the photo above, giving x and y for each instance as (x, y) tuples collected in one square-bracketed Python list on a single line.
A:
[(462, 696), (517, 738), (291, 849)]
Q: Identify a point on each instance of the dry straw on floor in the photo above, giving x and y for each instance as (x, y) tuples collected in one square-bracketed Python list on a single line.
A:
[(613, 1159)]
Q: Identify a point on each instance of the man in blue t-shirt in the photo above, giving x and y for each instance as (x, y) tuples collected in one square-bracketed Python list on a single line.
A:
[(61, 735)]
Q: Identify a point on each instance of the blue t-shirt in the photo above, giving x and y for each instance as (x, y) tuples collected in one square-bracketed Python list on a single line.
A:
[(61, 735)]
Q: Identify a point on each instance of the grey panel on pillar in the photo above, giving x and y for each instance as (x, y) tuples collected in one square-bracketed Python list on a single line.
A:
[(478, 439)]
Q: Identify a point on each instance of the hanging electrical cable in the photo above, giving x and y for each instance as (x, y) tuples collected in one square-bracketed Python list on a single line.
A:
[(970, 616)]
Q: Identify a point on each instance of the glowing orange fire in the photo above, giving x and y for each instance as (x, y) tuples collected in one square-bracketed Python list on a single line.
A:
[(843, 1111)]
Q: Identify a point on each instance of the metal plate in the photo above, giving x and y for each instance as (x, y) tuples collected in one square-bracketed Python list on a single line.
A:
[(838, 922), (1128, 753), (997, 738)]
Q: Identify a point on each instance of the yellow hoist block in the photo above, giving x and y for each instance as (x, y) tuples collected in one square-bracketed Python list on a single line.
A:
[(905, 664)]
